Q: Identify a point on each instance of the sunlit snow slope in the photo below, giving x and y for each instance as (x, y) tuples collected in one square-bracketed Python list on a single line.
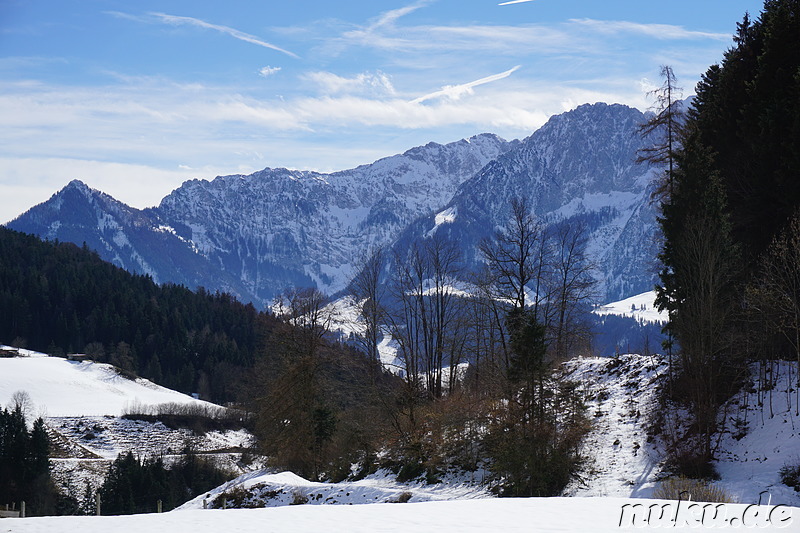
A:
[(58, 387)]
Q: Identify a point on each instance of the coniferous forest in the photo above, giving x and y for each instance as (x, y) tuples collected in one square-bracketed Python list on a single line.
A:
[(730, 223), (57, 298)]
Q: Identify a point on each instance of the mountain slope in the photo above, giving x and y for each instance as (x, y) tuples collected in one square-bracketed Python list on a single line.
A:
[(579, 167), (279, 227), (255, 235), (133, 239)]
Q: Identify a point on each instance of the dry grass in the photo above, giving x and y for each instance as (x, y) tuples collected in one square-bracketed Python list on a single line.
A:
[(697, 490)]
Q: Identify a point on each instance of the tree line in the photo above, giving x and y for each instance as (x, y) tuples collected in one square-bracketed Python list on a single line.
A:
[(476, 383), (730, 222), (58, 298), (25, 462)]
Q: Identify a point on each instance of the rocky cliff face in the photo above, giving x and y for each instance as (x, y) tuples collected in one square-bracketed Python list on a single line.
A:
[(255, 235), (578, 168)]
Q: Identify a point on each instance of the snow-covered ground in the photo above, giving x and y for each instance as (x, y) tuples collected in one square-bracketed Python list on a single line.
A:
[(621, 460), (267, 489), (641, 307), (58, 387), (543, 515), (82, 403), (762, 434)]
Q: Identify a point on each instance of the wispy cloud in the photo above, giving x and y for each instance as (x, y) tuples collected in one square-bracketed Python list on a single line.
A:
[(246, 37), (176, 20), (378, 31), (514, 2), (454, 92), (655, 31), (390, 17)]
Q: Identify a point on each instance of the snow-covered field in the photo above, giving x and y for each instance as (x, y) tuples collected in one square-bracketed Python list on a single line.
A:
[(82, 403), (641, 307), (58, 387), (543, 515)]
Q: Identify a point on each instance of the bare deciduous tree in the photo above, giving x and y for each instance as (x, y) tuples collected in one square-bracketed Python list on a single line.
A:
[(665, 131), (368, 289), (516, 257), (573, 288)]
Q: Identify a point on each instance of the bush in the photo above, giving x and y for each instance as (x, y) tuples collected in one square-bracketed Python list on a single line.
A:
[(299, 498), (196, 417), (790, 476), (402, 498), (683, 488)]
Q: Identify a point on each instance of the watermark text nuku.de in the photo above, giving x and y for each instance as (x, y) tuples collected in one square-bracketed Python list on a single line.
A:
[(686, 513)]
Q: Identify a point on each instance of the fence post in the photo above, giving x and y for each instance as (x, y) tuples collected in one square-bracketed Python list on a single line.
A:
[(97, 503), (22, 509), (158, 506)]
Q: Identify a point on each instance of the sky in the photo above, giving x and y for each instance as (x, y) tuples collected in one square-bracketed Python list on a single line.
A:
[(136, 97)]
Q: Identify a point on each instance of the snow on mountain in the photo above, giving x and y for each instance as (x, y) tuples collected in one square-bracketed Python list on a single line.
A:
[(255, 235), (279, 227), (642, 307), (136, 240), (62, 388), (579, 168)]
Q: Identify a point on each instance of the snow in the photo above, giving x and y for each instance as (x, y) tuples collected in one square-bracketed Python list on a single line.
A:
[(623, 465), (760, 439), (269, 489), (81, 403), (641, 307), (61, 388), (761, 433), (544, 515), (621, 393), (448, 216)]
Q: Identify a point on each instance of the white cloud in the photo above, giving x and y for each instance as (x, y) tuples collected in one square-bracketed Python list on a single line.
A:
[(388, 18), (514, 2), (268, 71), (176, 20), (577, 36), (655, 31), (454, 92), (366, 82)]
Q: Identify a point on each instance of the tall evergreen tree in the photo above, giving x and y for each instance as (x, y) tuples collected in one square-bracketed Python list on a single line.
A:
[(735, 187)]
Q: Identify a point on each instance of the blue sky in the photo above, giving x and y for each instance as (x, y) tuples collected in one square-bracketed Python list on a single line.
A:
[(135, 97)]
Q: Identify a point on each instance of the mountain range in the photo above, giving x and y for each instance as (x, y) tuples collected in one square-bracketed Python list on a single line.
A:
[(255, 235)]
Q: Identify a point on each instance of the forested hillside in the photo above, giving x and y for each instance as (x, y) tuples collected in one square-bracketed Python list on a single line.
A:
[(731, 254), (58, 298)]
